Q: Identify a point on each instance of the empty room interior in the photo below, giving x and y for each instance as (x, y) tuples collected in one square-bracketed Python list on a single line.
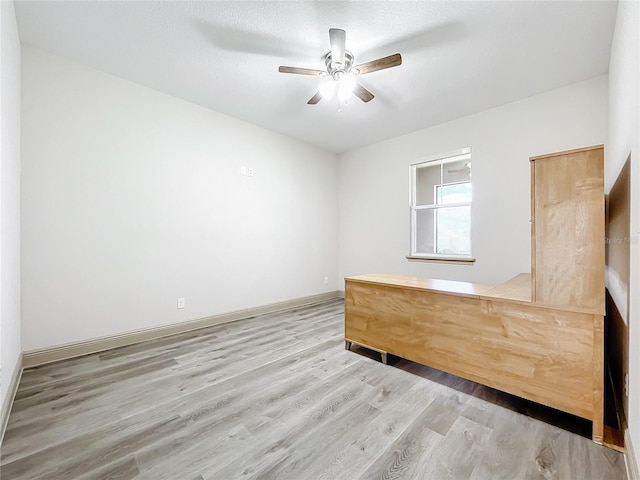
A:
[(319, 240)]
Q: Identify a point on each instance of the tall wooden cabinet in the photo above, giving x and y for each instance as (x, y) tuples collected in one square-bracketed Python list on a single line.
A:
[(567, 229)]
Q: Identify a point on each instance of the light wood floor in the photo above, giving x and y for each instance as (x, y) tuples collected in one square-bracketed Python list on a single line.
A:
[(278, 396)]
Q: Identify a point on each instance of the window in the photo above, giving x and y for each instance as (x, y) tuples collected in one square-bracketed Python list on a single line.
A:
[(441, 207)]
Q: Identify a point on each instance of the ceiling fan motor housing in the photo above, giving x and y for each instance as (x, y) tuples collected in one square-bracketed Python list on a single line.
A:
[(335, 69)]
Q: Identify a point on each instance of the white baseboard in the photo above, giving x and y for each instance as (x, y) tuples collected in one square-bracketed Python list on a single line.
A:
[(61, 352), (631, 460), (11, 395)]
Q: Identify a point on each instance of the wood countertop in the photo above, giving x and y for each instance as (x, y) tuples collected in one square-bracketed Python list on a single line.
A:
[(515, 290), (452, 287), (518, 288)]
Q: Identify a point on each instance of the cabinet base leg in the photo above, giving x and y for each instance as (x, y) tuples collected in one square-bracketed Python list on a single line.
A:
[(383, 355)]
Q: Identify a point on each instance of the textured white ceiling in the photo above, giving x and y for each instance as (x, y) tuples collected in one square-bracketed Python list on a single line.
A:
[(458, 57)]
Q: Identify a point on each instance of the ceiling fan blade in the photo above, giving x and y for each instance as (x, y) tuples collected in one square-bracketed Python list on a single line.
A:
[(362, 93), (379, 64), (337, 38), (300, 71), (315, 99)]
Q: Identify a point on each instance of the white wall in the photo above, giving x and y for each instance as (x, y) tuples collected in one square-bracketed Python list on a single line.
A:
[(374, 183), (624, 138), (9, 197), (132, 198)]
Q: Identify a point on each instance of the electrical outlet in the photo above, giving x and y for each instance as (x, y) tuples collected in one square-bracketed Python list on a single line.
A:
[(326, 280), (626, 384), (181, 302), (250, 171)]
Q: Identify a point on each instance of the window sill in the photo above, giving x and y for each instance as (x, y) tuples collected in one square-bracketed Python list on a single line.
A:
[(441, 259)]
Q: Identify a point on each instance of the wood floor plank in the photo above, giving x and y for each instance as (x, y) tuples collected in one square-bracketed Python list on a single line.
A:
[(355, 456), (459, 451), (138, 392), (502, 457), (122, 469), (199, 457), (405, 458), (276, 441), (278, 396), (87, 420), (331, 440)]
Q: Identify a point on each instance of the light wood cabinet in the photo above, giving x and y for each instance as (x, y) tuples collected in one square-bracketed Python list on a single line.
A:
[(492, 335), (567, 229), (538, 336)]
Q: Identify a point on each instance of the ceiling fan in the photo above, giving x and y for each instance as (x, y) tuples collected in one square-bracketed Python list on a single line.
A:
[(341, 73)]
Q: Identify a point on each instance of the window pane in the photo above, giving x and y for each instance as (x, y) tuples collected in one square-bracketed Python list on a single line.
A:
[(453, 230), (437, 226), (427, 177), (456, 193), (425, 231), (458, 171)]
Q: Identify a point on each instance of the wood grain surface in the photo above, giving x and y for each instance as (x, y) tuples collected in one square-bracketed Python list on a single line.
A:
[(540, 354), (518, 288), (568, 228), (278, 396), (452, 287)]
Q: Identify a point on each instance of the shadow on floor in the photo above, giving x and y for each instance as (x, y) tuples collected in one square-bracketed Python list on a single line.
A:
[(565, 421)]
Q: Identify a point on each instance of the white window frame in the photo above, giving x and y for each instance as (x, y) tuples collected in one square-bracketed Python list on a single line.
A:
[(441, 159)]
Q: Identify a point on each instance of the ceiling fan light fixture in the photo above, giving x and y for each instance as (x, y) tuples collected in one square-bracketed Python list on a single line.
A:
[(328, 88), (346, 84)]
